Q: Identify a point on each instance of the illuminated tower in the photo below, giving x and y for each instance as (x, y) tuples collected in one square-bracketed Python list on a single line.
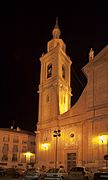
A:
[(54, 88)]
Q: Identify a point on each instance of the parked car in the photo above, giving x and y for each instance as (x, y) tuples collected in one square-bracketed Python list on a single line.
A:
[(32, 174), (101, 174), (12, 172), (2, 171), (21, 171), (42, 173), (79, 173), (55, 173)]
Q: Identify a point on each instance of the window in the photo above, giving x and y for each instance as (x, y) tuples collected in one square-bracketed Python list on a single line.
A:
[(15, 139), (47, 98), (15, 148), (63, 72), (5, 148), (5, 157), (23, 159), (24, 149), (49, 70), (32, 159), (33, 143), (14, 157), (6, 138), (24, 141)]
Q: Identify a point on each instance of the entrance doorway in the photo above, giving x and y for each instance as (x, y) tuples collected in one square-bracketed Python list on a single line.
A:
[(71, 160)]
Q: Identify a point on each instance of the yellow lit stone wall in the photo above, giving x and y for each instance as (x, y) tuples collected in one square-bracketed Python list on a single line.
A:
[(80, 124)]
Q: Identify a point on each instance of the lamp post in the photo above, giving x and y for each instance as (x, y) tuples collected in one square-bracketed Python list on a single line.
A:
[(56, 135), (106, 156)]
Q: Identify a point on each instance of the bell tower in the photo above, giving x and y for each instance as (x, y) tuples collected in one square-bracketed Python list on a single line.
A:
[(54, 88)]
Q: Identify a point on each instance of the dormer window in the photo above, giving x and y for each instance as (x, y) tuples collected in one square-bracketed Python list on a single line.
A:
[(49, 70), (63, 72)]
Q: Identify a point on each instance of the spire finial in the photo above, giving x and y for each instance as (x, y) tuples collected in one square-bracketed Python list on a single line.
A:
[(56, 25), (91, 54), (56, 31)]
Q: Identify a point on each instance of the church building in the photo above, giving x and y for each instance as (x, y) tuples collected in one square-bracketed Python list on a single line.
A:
[(69, 136)]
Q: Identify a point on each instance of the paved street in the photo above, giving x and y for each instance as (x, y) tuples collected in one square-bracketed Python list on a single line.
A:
[(10, 178)]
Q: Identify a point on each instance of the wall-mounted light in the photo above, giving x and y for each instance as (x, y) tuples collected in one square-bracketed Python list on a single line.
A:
[(44, 146), (57, 133), (101, 139), (28, 156)]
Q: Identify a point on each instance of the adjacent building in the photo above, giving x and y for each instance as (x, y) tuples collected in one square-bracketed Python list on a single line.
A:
[(17, 148), (67, 135)]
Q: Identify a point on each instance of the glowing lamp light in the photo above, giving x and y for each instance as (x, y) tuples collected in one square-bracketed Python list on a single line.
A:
[(28, 154), (44, 146), (101, 138)]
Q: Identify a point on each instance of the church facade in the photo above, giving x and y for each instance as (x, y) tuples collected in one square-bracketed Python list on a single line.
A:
[(68, 136)]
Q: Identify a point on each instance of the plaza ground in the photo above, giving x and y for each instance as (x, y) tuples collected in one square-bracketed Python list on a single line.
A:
[(10, 178)]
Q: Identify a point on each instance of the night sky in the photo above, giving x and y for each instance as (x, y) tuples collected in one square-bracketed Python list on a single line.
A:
[(25, 30)]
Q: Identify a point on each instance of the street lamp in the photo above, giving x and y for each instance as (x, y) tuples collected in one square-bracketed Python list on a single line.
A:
[(56, 135)]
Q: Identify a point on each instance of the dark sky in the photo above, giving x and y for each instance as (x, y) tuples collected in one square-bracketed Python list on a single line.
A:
[(25, 30)]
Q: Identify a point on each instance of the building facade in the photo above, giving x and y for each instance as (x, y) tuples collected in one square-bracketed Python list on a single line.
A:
[(17, 148), (68, 136)]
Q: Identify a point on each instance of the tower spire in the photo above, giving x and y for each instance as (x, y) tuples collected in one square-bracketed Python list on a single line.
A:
[(56, 25), (91, 55), (56, 31)]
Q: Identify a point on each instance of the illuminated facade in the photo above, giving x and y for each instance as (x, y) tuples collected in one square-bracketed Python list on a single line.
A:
[(80, 125), (17, 148)]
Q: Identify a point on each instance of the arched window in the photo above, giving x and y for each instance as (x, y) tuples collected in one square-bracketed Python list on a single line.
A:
[(63, 72), (64, 100), (47, 98), (49, 70)]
